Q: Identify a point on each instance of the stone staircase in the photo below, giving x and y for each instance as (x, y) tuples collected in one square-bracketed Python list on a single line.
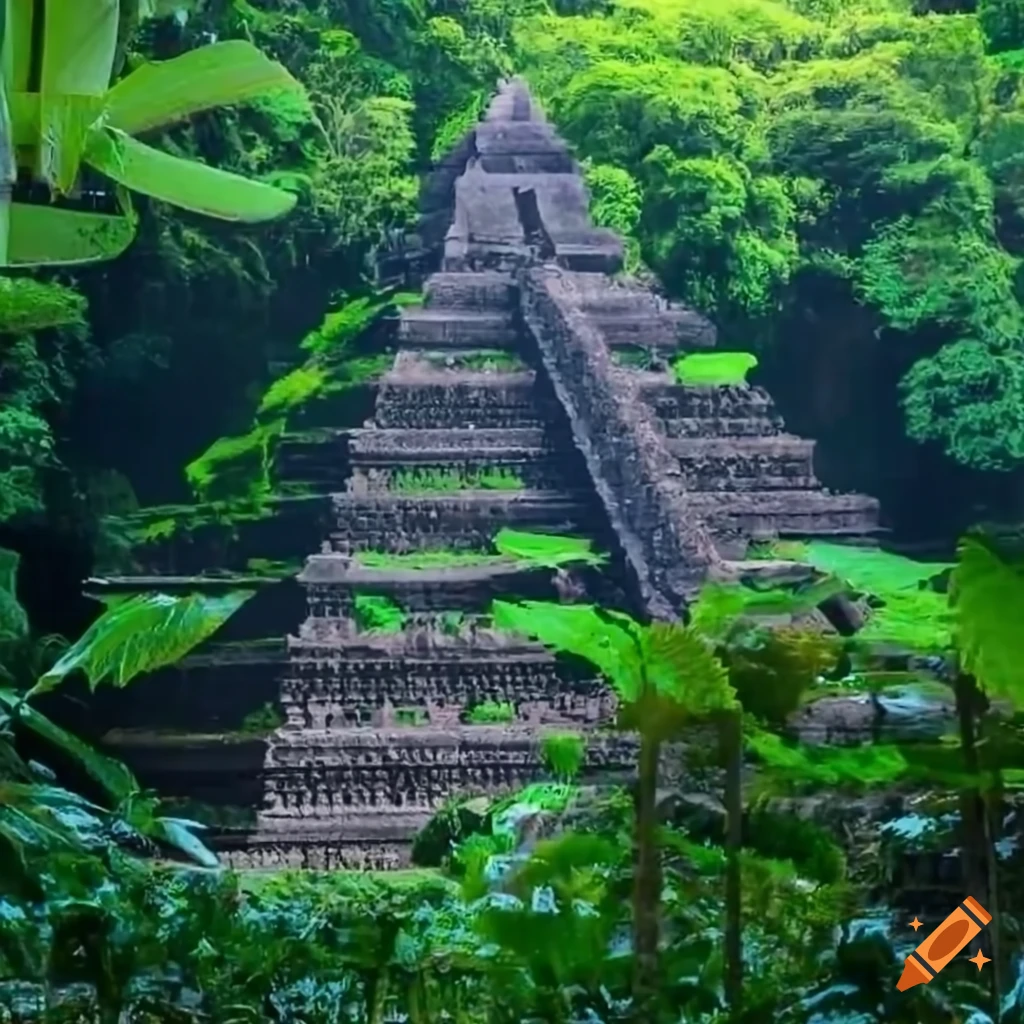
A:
[(504, 407)]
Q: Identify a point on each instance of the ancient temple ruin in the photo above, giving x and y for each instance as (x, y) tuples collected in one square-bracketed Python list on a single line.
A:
[(511, 378)]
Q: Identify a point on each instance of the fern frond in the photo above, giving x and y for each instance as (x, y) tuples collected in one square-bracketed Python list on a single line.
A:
[(987, 595)]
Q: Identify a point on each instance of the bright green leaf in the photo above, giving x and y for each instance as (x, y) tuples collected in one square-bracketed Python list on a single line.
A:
[(547, 550), (49, 236), (141, 634), (185, 183), (988, 602), (164, 92)]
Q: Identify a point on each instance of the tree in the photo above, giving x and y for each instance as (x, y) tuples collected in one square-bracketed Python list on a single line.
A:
[(666, 677)]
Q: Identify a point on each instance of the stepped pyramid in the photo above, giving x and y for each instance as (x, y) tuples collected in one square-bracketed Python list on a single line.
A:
[(512, 378)]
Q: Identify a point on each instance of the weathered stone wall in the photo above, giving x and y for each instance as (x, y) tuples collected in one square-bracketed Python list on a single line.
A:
[(638, 479)]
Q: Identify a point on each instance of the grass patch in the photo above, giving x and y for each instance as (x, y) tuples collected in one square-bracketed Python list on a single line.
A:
[(430, 481), (492, 712), (714, 369), (375, 613), (274, 569), (431, 559), (411, 716)]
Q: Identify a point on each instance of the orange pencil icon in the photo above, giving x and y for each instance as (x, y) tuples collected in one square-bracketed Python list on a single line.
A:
[(943, 944)]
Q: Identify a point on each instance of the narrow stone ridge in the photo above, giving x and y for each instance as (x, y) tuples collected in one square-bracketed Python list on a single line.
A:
[(639, 481)]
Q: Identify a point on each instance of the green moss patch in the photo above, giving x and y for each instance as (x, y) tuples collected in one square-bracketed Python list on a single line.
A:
[(714, 369)]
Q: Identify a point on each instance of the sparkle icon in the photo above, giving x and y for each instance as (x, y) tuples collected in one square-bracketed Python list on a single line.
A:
[(979, 959), (915, 924)]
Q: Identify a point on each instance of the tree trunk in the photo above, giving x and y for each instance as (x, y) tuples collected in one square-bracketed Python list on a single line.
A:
[(646, 884), (732, 747), (977, 841), (972, 821)]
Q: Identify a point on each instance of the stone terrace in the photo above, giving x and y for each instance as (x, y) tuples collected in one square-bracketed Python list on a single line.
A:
[(505, 406)]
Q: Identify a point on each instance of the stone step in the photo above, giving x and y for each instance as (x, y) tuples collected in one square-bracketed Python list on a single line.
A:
[(746, 463), (663, 330), (697, 427), (222, 769), (367, 841), (788, 513), (333, 581), (461, 521), (487, 291), (214, 688), (450, 365), (438, 327), (479, 400), (312, 774), (675, 401), (331, 685), (205, 583), (381, 459), (314, 457)]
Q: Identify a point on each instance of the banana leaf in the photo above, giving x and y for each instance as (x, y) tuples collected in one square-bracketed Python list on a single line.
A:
[(165, 92), (185, 183), (79, 41), (17, 49), (41, 235), (142, 634)]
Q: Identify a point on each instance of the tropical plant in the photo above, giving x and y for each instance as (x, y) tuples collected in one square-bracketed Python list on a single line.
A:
[(135, 635), (666, 678), (971, 627), (60, 113)]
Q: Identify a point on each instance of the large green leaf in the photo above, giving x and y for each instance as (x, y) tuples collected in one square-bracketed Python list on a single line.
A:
[(164, 92), (78, 45), (987, 594), (185, 183), (722, 607), (65, 127), (142, 634), (872, 570), (17, 50), (802, 766), (114, 777), (546, 550), (46, 235), (79, 42), (580, 630), (913, 614)]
